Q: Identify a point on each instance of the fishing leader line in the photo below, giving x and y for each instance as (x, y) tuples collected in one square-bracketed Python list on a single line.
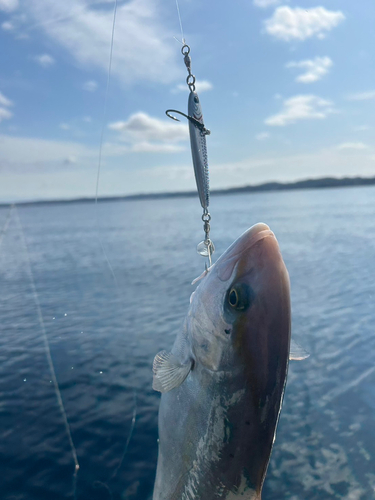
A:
[(100, 154), (48, 352), (6, 224)]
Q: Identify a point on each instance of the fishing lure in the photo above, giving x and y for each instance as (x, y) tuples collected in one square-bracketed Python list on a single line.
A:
[(198, 132)]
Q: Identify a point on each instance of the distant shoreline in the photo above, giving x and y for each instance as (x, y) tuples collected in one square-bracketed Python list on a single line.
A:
[(321, 183)]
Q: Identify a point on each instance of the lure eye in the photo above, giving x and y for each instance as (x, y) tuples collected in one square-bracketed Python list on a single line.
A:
[(239, 297), (196, 99)]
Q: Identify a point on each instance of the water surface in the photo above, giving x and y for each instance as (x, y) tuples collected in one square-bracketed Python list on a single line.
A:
[(104, 332)]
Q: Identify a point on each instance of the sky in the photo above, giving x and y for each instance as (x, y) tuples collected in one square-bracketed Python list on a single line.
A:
[(287, 89)]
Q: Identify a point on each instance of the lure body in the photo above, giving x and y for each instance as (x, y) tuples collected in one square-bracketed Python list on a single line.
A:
[(199, 149)]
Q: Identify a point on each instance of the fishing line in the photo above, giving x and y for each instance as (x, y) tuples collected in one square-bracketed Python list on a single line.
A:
[(179, 18), (48, 352), (129, 437), (6, 224), (99, 483), (101, 142)]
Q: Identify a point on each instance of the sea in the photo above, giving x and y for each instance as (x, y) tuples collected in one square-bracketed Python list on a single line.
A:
[(97, 290)]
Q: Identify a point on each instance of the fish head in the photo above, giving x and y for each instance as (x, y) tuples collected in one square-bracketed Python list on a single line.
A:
[(240, 317)]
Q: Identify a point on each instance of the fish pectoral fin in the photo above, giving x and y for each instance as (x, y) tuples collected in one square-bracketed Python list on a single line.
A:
[(169, 373), (297, 352)]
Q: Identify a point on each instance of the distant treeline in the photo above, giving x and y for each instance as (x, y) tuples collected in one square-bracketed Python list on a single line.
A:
[(324, 182)]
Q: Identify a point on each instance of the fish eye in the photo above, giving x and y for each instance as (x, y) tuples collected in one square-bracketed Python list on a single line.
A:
[(233, 297), (196, 99), (239, 297)]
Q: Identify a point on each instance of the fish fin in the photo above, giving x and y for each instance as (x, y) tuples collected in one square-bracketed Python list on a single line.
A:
[(169, 373), (297, 352)]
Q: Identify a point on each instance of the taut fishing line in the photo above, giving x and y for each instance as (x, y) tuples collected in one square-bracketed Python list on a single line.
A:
[(132, 426), (101, 142), (48, 353), (6, 224), (179, 18)]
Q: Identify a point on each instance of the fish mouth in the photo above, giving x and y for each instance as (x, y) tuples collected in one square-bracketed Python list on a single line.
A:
[(248, 239)]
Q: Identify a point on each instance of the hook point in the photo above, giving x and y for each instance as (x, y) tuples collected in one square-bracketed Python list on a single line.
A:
[(168, 113)]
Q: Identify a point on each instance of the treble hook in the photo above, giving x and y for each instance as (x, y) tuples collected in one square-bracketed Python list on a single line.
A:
[(193, 120)]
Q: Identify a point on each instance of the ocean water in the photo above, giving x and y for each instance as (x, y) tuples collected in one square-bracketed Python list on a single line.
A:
[(104, 329)]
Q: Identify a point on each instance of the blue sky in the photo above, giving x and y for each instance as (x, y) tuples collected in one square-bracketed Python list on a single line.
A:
[(287, 90)]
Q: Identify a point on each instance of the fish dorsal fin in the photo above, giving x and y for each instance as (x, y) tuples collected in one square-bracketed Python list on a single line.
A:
[(169, 373), (297, 352)]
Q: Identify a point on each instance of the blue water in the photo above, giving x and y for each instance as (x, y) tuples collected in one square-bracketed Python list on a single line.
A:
[(104, 332)]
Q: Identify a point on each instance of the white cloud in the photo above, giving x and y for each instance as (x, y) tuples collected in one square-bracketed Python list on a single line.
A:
[(20, 151), (149, 147), (7, 26), (200, 86), (352, 145), (144, 133), (4, 101), (265, 3), (143, 48), (315, 68), (361, 128), (5, 114), (299, 24), (48, 170), (301, 107), (261, 136), (8, 5), (90, 86), (64, 126), (70, 160), (44, 60), (362, 96)]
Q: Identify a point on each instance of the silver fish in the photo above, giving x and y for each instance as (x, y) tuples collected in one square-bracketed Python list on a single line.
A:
[(223, 382)]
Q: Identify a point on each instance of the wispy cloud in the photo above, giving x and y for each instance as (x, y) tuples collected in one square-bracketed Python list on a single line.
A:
[(21, 152), (315, 68), (301, 107), (361, 128), (352, 145), (5, 103), (5, 114), (8, 5), (70, 160), (200, 86), (44, 60), (144, 133), (90, 86), (84, 29), (64, 126), (362, 96), (262, 136), (7, 26), (299, 24), (150, 147), (265, 3)]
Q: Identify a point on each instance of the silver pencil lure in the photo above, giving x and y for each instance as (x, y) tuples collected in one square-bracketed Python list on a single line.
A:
[(198, 132)]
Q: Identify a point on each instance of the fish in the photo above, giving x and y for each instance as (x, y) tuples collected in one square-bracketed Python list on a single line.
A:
[(223, 381)]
